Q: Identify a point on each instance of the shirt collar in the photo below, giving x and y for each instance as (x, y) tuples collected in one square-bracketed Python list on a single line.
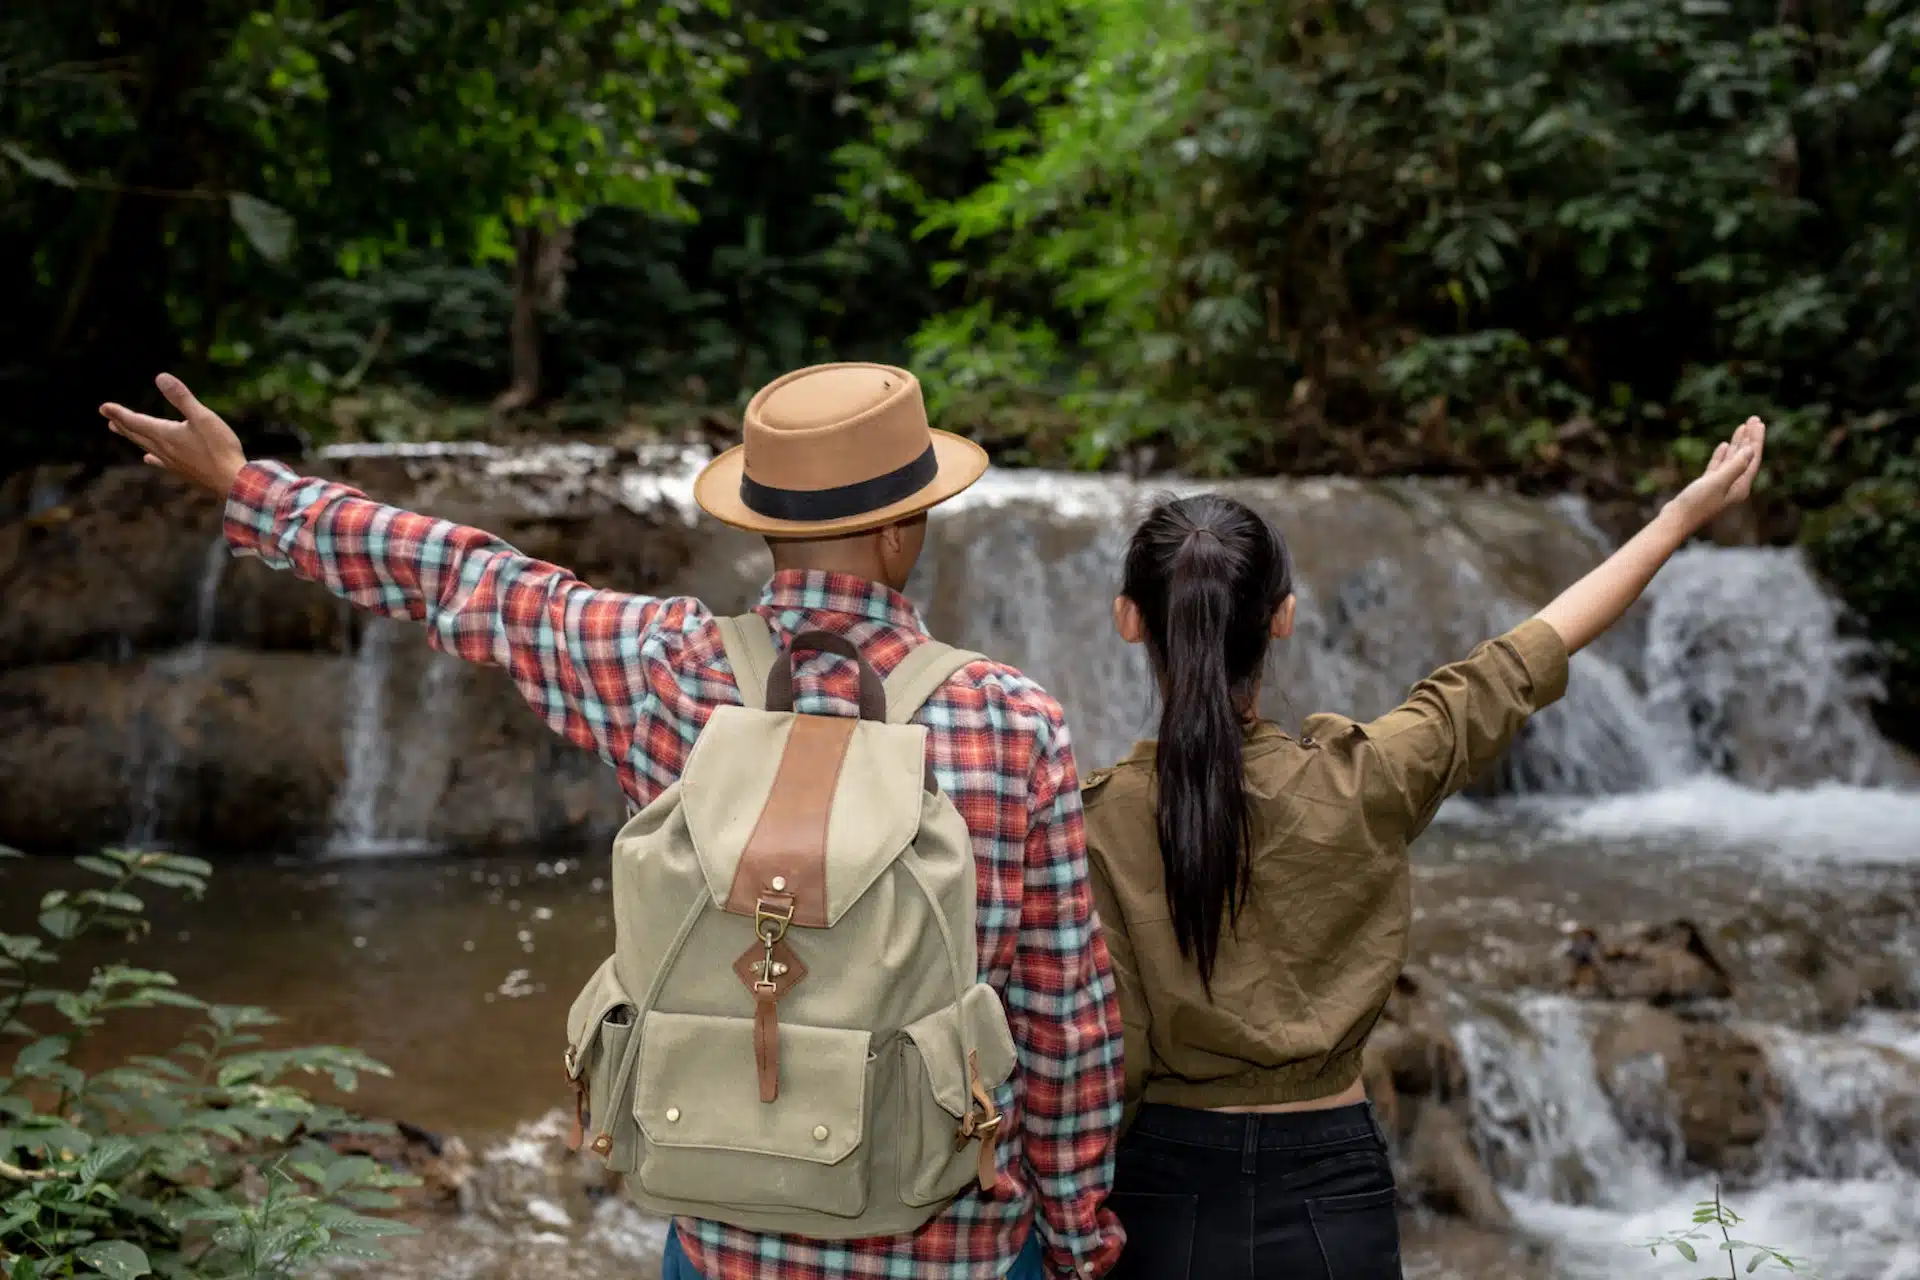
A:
[(817, 591)]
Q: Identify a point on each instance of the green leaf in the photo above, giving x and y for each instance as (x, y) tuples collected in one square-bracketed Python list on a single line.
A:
[(116, 1259), (1753, 1263), (37, 166), (8, 851), (107, 1160), (1686, 1251), (61, 922), (112, 899), (267, 227), (100, 866), (36, 1058)]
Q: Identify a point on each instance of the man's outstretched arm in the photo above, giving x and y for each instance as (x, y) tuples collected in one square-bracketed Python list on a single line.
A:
[(573, 651)]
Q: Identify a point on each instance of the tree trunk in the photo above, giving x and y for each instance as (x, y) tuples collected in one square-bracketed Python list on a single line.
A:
[(540, 261)]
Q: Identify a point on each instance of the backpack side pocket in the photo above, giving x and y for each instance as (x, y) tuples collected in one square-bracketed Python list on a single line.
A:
[(940, 1153), (600, 1031)]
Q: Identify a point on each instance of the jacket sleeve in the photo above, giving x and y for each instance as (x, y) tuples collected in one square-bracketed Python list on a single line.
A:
[(1066, 1025), (573, 651), (1456, 723)]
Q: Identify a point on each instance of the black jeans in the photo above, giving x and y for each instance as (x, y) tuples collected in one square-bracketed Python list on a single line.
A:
[(1303, 1195)]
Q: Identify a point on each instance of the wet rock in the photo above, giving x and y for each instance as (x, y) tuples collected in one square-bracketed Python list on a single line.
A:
[(1413, 1043), (531, 1181), (1704, 1091), (444, 1165), (246, 751), (116, 568), (1819, 980), (528, 1207), (1416, 1078), (1663, 964), (1444, 1172)]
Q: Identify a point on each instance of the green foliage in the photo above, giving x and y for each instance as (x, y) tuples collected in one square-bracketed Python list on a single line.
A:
[(205, 1162), (1715, 1218), (1566, 243), (1466, 225)]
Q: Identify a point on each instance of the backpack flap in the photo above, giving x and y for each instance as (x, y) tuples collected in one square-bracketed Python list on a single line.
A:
[(820, 804)]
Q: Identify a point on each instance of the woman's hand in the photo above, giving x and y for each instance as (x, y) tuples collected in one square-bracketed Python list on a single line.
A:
[(202, 450), (1727, 480), (1594, 603)]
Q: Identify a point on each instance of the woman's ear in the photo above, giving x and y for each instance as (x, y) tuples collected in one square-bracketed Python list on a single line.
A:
[(1282, 625), (1127, 620)]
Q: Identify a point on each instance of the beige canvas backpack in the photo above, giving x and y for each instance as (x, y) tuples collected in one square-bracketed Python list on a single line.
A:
[(789, 1036)]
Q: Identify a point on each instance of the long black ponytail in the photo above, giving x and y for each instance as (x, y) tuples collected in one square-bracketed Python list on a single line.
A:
[(1206, 573)]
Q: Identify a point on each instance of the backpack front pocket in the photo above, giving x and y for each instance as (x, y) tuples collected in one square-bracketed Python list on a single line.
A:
[(600, 1029), (710, 1138), (938, 1054)]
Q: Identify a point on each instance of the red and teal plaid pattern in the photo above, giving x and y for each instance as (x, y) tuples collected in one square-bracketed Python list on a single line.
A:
[(634, 678)]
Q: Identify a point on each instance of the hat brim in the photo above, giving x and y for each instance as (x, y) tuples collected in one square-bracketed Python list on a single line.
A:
[(717, 490)]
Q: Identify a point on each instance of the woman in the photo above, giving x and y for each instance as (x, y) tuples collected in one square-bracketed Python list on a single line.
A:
[(1254, 888)]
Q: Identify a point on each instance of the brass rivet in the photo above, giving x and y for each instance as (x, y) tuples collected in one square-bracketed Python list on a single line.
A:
[(602, 1145), (819, 1133), (779, 884), (673, 1115)]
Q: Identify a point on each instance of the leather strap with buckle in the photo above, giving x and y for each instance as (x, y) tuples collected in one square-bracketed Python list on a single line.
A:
[(982, 1123)]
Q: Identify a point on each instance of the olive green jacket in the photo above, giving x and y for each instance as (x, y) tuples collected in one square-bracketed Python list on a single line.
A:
[(1301, 979)]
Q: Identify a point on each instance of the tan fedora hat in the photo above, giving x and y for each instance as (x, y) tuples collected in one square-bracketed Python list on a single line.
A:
[(836, 448)]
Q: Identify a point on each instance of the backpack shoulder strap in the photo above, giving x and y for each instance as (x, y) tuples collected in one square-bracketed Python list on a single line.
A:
[(750, 652), (920, 675)]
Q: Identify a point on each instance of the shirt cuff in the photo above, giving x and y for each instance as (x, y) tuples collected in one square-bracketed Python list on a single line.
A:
[(253, 504), (1544, 654)]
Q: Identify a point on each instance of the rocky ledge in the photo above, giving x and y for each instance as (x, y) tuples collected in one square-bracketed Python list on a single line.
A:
[(153, 687)]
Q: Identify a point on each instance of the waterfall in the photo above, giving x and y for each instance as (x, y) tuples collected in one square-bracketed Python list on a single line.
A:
[(1831, 1187), (164, 740), (356, 809), (1737, 667), (397, 761)]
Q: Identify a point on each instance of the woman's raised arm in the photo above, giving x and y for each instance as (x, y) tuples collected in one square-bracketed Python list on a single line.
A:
[(1588, 607)]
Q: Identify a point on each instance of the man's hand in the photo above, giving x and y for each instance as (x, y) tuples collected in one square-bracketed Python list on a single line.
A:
[(203, 449), (1727, 480)]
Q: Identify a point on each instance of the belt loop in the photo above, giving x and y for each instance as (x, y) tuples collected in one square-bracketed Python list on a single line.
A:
[(1250, 1146)]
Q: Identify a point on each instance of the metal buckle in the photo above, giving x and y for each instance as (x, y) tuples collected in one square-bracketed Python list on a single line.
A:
[(771, 922), (976, 1127)]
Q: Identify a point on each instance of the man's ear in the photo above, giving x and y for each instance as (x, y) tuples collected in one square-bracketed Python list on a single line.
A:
[(1128, 621), (1282, 624)]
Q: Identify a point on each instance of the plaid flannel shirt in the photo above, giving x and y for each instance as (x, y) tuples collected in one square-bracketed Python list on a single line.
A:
[(635, 678)]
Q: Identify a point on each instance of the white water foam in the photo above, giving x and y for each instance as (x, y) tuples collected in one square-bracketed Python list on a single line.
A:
[(1828, 822)]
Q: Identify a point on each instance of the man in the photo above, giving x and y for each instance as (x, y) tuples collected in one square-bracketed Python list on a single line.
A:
[(837, 470)]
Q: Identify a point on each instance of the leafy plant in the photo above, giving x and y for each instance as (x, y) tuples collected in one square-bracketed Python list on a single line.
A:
[(207, 1162), (1716, 1218)]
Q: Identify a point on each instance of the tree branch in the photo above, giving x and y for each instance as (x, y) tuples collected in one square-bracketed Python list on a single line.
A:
[(18, 1174)]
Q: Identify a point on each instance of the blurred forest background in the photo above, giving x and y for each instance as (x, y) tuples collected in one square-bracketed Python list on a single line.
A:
[(1567, 244)]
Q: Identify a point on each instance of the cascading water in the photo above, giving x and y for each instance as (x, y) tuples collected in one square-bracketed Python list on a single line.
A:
[(397, 759), (1832, 1187), (165, 741)]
